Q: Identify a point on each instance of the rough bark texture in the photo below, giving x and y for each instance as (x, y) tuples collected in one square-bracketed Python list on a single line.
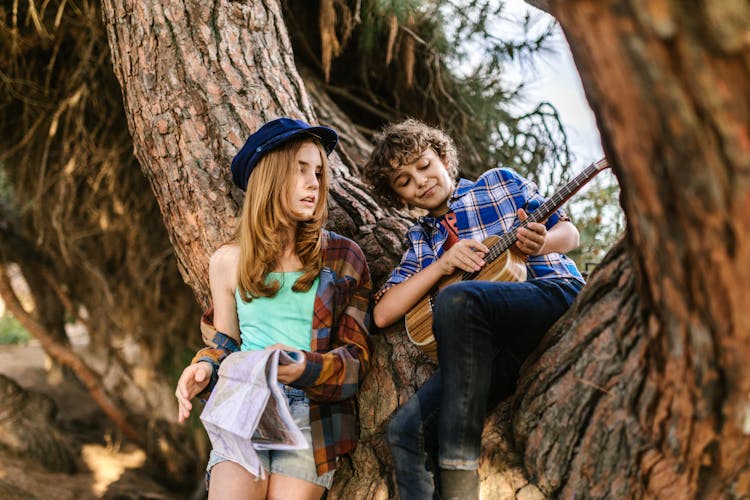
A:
[(647, 393), (196, 79)]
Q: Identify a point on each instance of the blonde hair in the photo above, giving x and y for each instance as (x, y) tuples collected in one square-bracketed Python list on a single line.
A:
[(265, 215)]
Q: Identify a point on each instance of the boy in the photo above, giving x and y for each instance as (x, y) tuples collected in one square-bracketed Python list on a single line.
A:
[(484, 330)]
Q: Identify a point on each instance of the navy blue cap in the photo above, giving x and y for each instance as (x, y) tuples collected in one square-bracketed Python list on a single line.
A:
[(271, 135)]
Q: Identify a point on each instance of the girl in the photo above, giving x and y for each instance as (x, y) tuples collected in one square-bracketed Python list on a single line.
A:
[(285, 282)]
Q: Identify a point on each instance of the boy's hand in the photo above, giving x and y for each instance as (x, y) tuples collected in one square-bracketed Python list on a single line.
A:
[(466, 255), (193, 380), (291, 372), (531, 238)]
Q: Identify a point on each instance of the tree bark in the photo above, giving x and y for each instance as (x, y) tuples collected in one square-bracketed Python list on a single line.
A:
[(643, 390), (195, 79)]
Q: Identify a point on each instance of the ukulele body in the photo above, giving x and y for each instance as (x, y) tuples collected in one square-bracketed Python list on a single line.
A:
[(509, 266)]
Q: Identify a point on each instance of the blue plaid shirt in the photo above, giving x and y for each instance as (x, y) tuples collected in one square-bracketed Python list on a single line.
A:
[(483, 208)]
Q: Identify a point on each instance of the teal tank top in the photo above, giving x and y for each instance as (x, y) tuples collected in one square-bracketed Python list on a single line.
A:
[(285, 318)]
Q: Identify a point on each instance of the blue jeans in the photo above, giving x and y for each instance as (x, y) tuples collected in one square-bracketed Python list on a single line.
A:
[(484, 331)]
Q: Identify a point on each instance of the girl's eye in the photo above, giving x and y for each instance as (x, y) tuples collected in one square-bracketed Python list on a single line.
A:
[(424, 165), (403, 182)]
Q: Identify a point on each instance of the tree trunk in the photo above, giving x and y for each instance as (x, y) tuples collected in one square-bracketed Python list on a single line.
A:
[(643, 389)]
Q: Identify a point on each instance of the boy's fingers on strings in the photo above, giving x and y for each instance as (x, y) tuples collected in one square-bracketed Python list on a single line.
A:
[(526, 246), (470, 261), (477, 247), (471, 254), (465, 255), (536, 230), (531, 238)]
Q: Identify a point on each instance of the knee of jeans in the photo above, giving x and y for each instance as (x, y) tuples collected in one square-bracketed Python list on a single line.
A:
[(458, 297)]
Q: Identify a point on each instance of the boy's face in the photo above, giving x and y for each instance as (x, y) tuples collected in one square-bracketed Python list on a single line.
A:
[(424, 183)]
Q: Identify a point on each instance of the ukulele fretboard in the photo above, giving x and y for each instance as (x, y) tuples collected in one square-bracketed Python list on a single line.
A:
[(544, 210)]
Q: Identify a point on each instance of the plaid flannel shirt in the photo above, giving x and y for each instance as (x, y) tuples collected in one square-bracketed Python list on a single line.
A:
[(339, 353), (483, 208)]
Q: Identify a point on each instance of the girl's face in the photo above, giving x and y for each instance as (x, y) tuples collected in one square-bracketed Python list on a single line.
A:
[(305, 188)]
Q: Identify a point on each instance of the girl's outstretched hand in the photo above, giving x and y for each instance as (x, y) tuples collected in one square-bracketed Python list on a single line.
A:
[(289, 373), (193, 380)]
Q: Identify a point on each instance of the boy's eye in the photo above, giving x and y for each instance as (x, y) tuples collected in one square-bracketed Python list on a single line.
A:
[(424, 165), (402, 182)]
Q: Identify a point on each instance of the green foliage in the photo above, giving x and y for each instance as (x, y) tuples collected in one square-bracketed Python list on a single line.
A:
[(599, 220), (447, 63), (442, 62), (11, 331)]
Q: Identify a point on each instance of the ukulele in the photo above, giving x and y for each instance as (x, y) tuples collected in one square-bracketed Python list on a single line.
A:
[(504, 262)]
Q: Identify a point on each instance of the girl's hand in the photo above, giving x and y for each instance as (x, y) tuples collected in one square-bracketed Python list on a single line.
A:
[(291, 372), (466, 255), (531, 238), (193, 380)]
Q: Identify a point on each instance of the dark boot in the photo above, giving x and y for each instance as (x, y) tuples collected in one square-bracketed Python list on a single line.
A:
[(459, 484)]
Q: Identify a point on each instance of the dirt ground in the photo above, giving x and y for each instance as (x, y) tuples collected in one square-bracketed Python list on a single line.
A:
[(107, 467)]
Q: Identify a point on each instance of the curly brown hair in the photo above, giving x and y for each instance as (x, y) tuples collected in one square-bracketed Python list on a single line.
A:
[(401, 143)]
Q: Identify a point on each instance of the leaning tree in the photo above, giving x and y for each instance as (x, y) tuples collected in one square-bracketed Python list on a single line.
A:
[(643, 390)]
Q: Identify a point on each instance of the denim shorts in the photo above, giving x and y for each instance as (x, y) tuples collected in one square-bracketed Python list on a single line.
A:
[(299, 464)]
